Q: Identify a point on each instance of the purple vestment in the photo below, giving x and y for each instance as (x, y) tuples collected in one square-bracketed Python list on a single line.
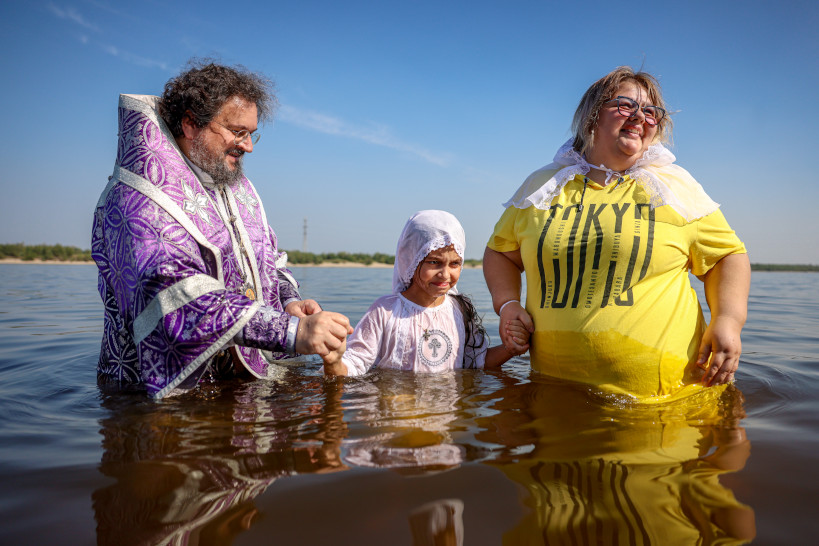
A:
[(169, 253)]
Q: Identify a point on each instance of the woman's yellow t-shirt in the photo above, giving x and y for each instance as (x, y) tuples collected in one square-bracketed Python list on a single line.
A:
[(608, 288)]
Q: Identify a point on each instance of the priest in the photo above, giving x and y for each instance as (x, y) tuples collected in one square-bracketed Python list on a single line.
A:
[(190, 274)]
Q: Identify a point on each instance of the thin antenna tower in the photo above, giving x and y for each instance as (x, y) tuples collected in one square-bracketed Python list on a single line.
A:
[(304, 238)]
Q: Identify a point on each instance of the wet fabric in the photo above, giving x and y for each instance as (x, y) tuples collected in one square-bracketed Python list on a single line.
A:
[(171, 268), (608, 285), (399, 334), (621, 472)]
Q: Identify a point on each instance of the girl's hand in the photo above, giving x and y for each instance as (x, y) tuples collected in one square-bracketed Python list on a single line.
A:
[(519, 334), (332, 361)]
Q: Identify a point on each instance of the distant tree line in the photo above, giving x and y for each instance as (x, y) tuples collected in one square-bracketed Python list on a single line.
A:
[(784, 267), (22, 251), (297, 257)]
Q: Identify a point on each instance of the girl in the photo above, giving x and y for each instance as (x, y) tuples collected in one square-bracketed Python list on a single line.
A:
[(424, 325)]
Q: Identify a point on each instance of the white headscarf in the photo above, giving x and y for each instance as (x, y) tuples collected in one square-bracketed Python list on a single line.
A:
[(424, 232), (664, 182)]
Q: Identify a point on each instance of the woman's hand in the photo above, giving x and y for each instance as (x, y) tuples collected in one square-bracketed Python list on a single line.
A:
[(519, 333), (516, 328), (721, 344), (726, 288), (502, 272)]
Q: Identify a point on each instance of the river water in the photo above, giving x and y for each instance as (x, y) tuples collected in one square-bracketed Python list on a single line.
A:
[(472, 457)]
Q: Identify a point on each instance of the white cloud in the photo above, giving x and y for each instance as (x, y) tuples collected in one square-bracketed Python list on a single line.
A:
[(134, 59), (375, 134), (71, 14)]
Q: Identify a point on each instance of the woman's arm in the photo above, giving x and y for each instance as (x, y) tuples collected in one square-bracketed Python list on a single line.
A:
[(726, 289), (502, 272)]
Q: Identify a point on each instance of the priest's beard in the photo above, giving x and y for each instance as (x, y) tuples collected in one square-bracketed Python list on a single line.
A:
[(214, 163)]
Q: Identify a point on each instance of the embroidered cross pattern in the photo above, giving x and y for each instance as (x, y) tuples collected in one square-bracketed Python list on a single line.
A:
[(434, 345), (247, 200), (195, 203), (435, 349)]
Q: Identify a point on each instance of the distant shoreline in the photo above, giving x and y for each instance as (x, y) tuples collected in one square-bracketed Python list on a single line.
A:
[(758, 268), (373, 265), (19, 261)]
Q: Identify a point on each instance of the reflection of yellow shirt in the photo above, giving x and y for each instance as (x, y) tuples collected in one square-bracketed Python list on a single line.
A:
[(602, 501), (608, 287), (632, 473)]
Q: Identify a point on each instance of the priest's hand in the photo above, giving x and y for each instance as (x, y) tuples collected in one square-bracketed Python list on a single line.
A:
[(302, 308), (322, 333)]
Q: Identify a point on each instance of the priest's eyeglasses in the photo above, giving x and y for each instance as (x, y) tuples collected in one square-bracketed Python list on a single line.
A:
[(241, 135), (628, 107)]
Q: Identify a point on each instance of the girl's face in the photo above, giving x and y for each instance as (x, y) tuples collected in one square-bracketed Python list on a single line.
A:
[(435, 276)]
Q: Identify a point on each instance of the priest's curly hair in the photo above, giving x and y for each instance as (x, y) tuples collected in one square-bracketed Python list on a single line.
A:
[(202, 90)]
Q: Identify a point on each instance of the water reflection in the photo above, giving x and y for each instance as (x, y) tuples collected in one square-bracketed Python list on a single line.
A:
[(403, 421), (186, 470), (598, 472), (190, 470), (438, 523)]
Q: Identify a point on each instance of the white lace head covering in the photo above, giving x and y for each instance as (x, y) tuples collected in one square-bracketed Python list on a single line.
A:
[(424, 232), (664, 182)]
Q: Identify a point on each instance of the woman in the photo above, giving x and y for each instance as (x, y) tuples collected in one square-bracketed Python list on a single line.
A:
[(607, 235)]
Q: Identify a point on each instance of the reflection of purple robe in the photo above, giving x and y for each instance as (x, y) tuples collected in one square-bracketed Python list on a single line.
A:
[(169, 271)]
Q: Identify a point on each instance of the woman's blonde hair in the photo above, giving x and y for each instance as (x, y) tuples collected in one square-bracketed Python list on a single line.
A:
[(603, 90)]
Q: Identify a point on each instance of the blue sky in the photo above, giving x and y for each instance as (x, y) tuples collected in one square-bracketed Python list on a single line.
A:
[(391, 107)]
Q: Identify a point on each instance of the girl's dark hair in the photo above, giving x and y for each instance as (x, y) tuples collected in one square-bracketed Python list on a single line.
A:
[(474, 331)]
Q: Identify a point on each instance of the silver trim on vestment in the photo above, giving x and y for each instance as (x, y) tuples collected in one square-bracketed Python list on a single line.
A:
[(147, 189), (292, 329), (281, 271), (171, 299), (210, 351), (144, 104), (249, 254)]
